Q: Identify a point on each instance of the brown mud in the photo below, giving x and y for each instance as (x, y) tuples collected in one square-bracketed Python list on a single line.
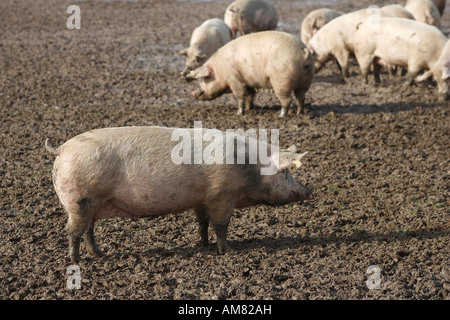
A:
[(378, 160)]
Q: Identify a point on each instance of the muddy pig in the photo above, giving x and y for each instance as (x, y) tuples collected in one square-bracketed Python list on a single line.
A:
[(247, 16), (441, 73), (424, 11), (205, 40), (401, 42), (263, 60), (315, 20), (137, 172)]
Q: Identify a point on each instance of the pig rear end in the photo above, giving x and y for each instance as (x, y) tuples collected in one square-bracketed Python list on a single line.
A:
[(424, 11), (247, 16)]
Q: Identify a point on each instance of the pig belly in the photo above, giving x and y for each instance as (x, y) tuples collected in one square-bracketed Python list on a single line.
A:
[(132, 203), (397, 57)]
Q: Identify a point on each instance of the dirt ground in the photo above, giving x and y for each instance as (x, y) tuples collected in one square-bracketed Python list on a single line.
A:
[(378, 160)]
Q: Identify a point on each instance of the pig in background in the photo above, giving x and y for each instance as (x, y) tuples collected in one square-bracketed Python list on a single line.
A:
[(401, 42), (315, 20), (440, 5), (441, 73), (263, 60), (129, 172), (397, 10), (335, 40), (205, 40), (424, 11), (247, 16)]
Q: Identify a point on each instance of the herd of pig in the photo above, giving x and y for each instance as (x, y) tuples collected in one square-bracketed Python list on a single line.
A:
[(128, 171), (394, 36)]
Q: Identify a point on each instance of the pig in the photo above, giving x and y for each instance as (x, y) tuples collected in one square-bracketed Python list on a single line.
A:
[(205, 40), (247, 16), (441, 73), (401, 42), (335, 40), (424, 11), (397, 10), (130, 172), (440, 5), (315, 20), (263, 60)]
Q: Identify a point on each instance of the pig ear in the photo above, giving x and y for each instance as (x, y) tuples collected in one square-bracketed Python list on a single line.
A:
[(287, 159), (203, 72), (203, 56), (445, 73), (183, 52)]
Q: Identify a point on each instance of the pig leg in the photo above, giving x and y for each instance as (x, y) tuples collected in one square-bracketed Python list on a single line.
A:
[(219, 213), (364, 61), (413, 71), (203, 223), (249, 99), (300, 100), (285, 99), (241, 93), (79, 220), (89, 240), (241, 107), (342, 58), (376, 72)]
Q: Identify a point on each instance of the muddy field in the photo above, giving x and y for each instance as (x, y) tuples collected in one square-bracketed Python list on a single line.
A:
[(378, 160)]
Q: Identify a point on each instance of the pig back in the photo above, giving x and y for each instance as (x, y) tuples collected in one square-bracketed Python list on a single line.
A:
[(254, 58)]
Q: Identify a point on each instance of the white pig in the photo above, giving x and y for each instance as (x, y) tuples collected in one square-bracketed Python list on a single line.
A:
[(247, 16), (400, 42), (315, 20), (335, 40), (397, 10), (131, 172), (205, 40), (441, 73), (263, 60), (424, 11)]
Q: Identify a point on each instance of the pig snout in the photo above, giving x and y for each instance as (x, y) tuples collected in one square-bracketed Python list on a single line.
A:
[(197, 93), (303, 193), (185, 74), (310, 194)]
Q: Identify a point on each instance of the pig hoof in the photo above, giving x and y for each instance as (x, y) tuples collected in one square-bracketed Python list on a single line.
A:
[(202, 244), (222, 249), (97, 253), (75, 258), (282, 115)]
